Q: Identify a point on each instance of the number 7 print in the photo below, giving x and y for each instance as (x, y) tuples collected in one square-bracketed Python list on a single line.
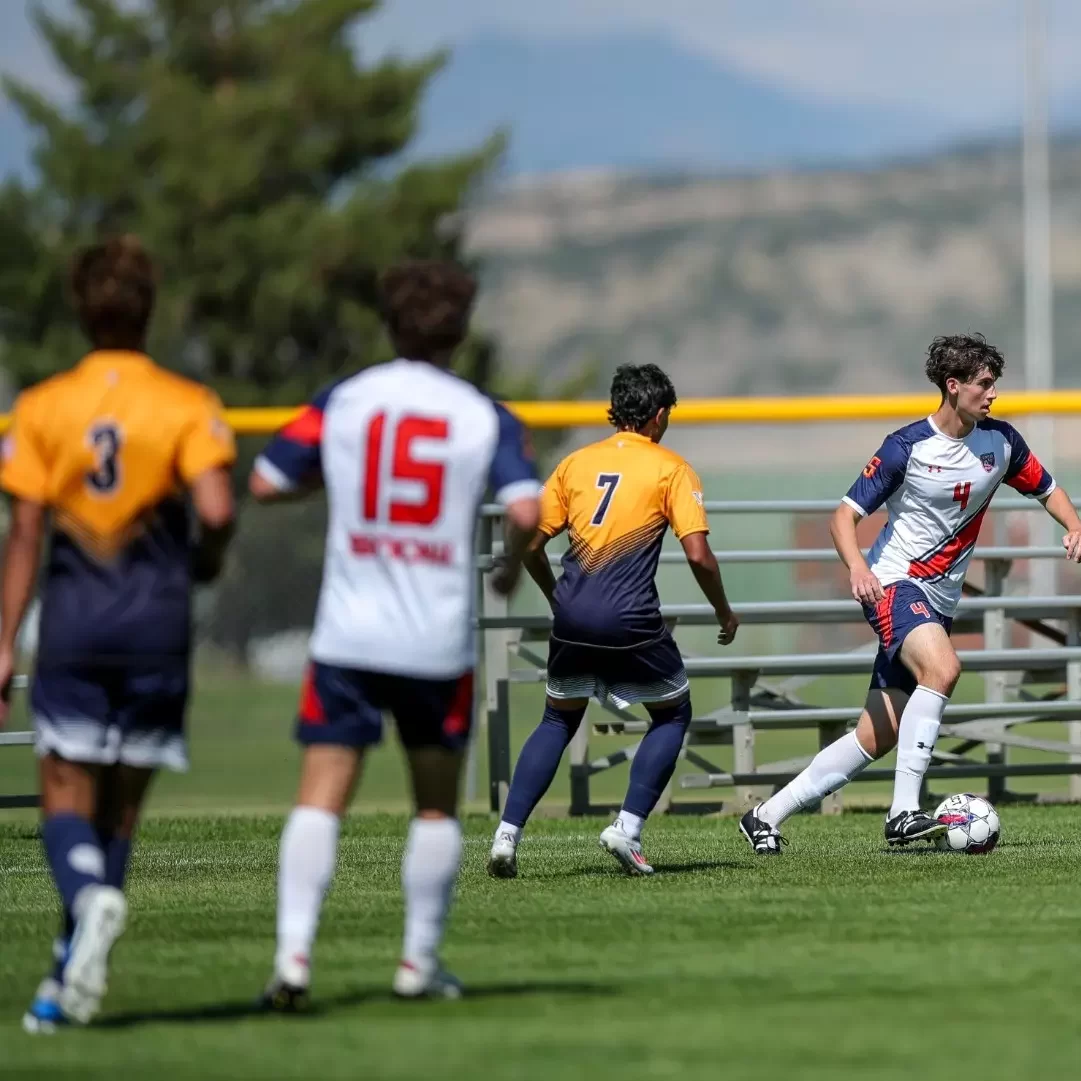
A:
[(609, 482)]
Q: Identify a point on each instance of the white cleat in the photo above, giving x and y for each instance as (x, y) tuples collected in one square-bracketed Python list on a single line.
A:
[(627, 851), (44, 1016), (429, 980), (101, 923), (503, 859)]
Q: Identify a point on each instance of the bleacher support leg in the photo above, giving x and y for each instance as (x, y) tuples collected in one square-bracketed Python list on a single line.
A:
[(743, 737), (1073, 690), (995, 637)]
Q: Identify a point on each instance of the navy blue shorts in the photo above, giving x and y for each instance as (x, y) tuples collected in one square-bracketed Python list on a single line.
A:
[(648, 672), (131, 713), (903, 608), (345, 706)]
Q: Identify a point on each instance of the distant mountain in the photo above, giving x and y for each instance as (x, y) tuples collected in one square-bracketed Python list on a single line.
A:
[(642, 101)]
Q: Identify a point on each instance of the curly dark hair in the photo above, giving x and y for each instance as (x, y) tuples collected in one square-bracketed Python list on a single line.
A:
[(963, 357), (113, 285), (425, 305), (639, 392)]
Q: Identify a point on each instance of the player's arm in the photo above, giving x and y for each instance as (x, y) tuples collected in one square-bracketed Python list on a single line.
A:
[(1027, 476), (554, 503), (881, 477), (512, 478), (685, 510), (206, 456), (24, 476), (290, 466)]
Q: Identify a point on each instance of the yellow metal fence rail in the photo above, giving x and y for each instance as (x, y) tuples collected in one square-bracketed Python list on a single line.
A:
[(724, 410)]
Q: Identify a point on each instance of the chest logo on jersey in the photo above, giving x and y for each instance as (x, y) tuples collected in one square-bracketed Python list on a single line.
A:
[(988, 461)]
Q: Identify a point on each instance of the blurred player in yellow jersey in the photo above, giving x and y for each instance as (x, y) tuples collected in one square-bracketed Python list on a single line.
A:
[(616, 499), (106, 458)]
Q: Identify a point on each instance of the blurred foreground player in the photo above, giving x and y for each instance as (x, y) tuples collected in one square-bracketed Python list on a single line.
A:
[(616, 499), (405, 451), (111, 450), (936, 478)]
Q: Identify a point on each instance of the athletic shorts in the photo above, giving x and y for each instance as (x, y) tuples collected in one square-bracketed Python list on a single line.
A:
[(112, 713), (649, 672), (345, 707), (903, 608)]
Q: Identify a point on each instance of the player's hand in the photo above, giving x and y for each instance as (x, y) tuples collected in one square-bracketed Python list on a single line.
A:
[(504, 576), (1072, 543), (7, 675), (866, 588), (729, 622)]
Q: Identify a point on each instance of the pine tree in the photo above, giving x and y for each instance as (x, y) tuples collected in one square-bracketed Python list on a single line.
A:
[(256, 156)]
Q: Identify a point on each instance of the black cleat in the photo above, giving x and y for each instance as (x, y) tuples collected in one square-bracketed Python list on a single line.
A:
[(911, 826), (282, 997), (761, 836)]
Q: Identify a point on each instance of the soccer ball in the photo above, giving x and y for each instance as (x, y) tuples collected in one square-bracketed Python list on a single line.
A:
[(973, 824)]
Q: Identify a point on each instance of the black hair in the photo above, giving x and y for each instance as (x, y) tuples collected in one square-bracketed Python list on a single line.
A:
[(963, 357), (639, 392), (425, 305)]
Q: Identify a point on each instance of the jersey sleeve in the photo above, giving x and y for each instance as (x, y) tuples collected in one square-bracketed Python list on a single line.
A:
[(1025, 473), (207, 442), (554, 502), (513, 472), (881, 476), (683, 504), (24, 471), (293, 458)]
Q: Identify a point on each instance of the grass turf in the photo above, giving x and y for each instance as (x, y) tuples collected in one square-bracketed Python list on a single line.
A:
[(839, 959)]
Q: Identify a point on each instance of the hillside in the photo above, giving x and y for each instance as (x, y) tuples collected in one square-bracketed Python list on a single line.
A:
[(801, 282)]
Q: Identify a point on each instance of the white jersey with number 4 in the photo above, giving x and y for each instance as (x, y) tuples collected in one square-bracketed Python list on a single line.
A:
[(936, 490), (406, 452)]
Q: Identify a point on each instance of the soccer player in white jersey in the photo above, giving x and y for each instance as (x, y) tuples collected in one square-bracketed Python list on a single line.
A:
[(405, 451), (936, 478)]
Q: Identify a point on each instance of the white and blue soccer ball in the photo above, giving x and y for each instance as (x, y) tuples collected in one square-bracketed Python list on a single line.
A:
[(972, 824)]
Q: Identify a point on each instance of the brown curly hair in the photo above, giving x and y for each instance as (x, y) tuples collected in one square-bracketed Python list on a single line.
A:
[(963, 357), (426, 305), (113, 286)]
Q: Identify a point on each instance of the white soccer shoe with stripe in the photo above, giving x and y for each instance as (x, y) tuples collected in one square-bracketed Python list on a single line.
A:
[(425, 980), (101, 923), (627, 851), (503, 859)]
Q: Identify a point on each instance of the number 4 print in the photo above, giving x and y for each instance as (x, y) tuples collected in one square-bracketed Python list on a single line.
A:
[(961, 493)]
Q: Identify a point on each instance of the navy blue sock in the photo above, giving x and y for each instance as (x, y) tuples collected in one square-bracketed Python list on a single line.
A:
[(655, 760), (117, 854), (538, 762), (74, 854)]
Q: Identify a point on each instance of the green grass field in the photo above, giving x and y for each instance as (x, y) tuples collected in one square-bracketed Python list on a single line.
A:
[(839, 959)]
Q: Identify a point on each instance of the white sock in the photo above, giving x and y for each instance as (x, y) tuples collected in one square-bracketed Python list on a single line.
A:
[(916, 737), (514, 831), (830, 769), (309, 851), (630, 824), (433, 853)]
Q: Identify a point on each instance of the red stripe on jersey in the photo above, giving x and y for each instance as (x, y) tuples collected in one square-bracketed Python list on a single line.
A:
[(306, 429), (311, 706), (1027, 481), (945, 558), (460, 714)]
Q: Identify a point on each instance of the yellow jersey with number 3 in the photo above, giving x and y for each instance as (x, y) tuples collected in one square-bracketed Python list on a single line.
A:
[(110, 448), (617, 499)]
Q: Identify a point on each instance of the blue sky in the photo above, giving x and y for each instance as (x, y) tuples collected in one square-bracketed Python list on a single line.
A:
[(959, 60)]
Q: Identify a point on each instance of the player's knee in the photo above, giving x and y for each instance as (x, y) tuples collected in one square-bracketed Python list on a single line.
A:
[(942, 676)]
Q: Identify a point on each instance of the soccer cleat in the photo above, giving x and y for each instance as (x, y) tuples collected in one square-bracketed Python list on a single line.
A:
[(44, 1016), (503, 859), (627, 851), (425, 980), (101, 922), (288, 990), (909, 826), (766, 840)]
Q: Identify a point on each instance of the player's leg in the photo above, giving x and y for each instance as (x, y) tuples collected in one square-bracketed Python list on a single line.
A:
[(336, 723), (930, 657), (434, 719), (533, 775), (651, 769), (570, 685), (833, 767)]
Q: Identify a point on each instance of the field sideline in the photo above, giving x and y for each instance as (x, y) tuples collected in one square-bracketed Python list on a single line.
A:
[(839, 959)]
